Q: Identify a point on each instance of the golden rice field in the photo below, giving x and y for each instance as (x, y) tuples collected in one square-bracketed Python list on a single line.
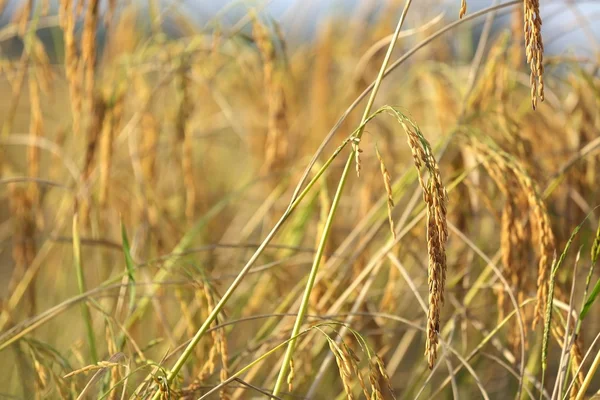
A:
[(403, 206)]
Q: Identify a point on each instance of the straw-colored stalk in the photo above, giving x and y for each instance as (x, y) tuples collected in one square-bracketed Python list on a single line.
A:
[(516, 27), (387, 181), (484, 93), (185, 138), (22, 15), (88, 47), (72, 62), (110, 12), (149, 143), (115, 373), (36, 131), (94, 132), (320, 90), (276, 144), (42, 378), (109, 129), (219, 347), (17, 84), (23, 239)]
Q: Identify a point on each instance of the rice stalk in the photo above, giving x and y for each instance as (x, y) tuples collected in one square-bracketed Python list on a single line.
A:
[(89, 47), (24, 247), (110, 127), (184, 136), (534, 49), (87, 317), (36, 130), (73, 63), (539, 218), (21, 17), (388, 189), (276, 144), (557, 263), (463, 9), (335, 203), (94, 133)]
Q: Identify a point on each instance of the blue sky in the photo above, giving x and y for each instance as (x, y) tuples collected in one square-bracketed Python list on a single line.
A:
[(564, 28), (564, 21)]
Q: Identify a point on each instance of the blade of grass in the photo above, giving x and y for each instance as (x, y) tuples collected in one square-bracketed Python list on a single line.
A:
[(562, 373), (548, 317), (219, 306), (338, 194), (130, 265), (87, 318), (595, 252)]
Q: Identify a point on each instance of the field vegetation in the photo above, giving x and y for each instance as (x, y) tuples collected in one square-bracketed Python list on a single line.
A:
[(402, 205)]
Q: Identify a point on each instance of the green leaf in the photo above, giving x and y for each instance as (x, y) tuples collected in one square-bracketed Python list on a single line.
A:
[(130, 265), (595, 252)]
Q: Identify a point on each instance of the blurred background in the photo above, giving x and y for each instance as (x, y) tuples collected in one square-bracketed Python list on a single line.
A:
[(148, 148)]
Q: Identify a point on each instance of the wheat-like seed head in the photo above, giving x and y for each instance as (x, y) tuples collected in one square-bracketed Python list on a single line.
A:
[(72, 62), (577, 359), (224, 374), (277, 143), (290, 378), (387, 181), (435, 197), (539, 219), (534, 48), (463, 8), (109, 130), (36, 130), (41, 374), (184, 135), (115, 375), (344, 367), (88, 47)]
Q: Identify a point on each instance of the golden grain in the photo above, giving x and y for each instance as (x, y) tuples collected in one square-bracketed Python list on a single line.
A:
[(73, 69), (387, 181), (88, 46), (463, 8), (534, 48), (276, 143)]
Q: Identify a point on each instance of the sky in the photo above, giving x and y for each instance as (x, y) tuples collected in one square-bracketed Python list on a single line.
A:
[(564, 21), (564, 29)]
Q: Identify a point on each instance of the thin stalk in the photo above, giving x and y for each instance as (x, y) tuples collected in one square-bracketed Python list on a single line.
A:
[(338, 194), (81, 284), (312, 277), (249, 366), (588, 378), (217, 309)]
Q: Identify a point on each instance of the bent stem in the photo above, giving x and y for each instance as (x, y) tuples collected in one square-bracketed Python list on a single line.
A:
[(326, 229), (187, 352)]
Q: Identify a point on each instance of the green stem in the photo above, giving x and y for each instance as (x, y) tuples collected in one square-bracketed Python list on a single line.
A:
[(187, 352), (338, 194), (311, 278), (81, 284)]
